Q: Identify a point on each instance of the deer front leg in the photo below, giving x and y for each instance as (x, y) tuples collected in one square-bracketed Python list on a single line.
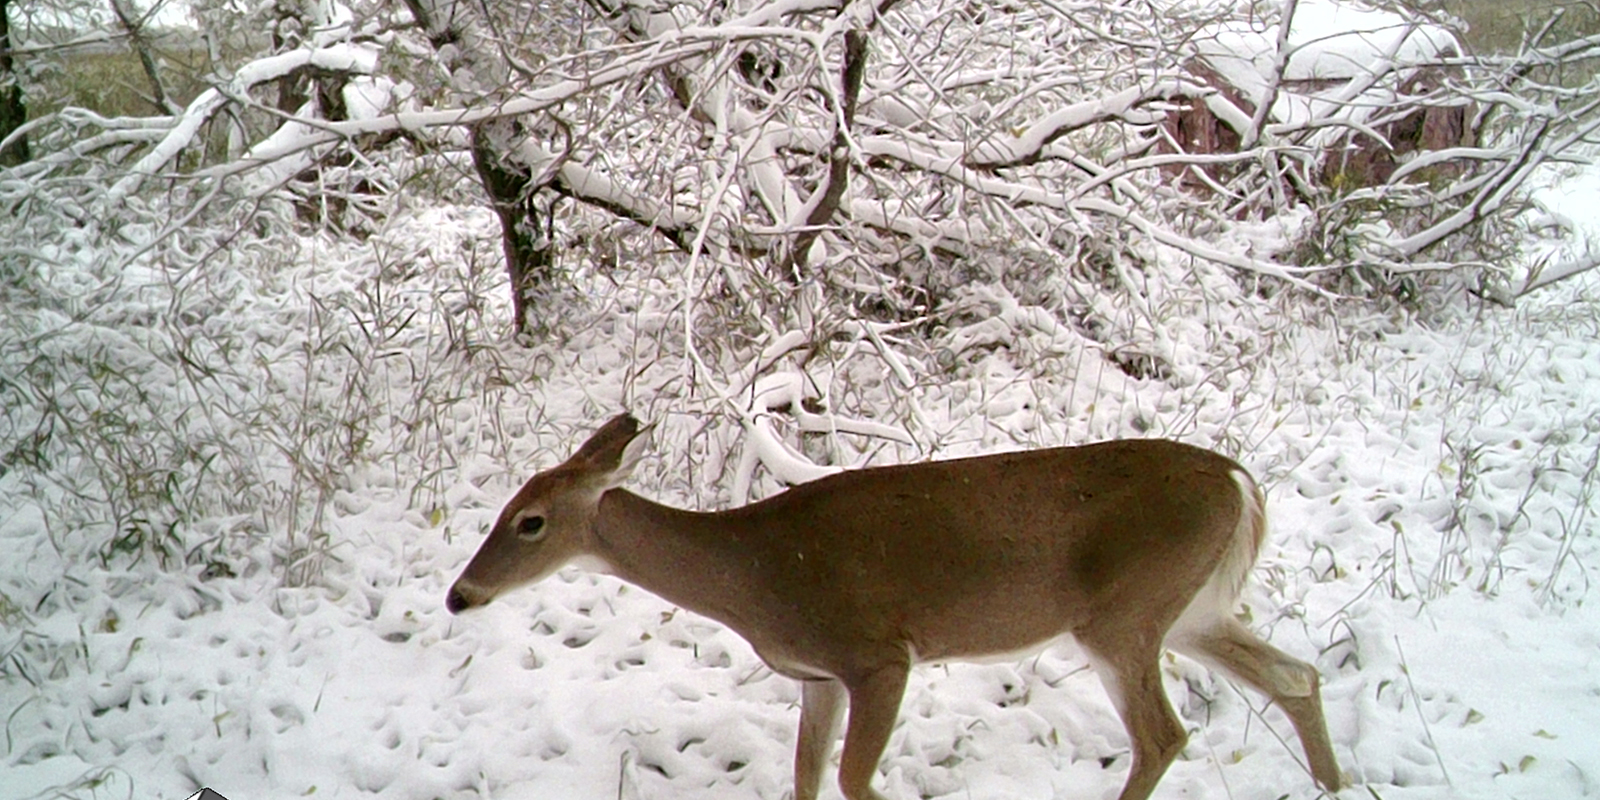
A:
[(821, 702)]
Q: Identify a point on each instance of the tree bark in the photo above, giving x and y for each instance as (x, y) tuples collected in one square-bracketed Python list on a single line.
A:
[(524, 228), (13, 105), (838, 156)]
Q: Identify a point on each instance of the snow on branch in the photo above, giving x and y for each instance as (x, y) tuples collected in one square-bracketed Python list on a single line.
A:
[(595, 187), (1548, 275), (785, 392), (639, 62), (1027, 147), (860, 145), (354, 59), (938, 160)]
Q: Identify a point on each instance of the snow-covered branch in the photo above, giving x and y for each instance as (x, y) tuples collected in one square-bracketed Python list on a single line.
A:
[(858, 146), (181, 133), (1551, 274), (1028, 146)]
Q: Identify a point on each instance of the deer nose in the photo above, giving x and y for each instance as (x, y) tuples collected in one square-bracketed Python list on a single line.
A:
[(455, 601)]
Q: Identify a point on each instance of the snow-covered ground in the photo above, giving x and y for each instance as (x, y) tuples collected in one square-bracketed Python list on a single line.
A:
[(1431, 485)]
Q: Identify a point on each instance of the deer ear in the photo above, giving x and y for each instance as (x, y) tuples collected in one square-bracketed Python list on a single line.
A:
[(631, 455), (611, 453)]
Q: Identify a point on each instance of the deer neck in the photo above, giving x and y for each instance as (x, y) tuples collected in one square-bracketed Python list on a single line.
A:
[(687, 558)]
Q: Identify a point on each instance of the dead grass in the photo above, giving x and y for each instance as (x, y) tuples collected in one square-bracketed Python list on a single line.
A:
[(110, 81), (1499, 26)]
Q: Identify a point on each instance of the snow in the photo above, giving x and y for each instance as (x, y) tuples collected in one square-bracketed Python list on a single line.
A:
[(371, 96), (1430, 482), (1327, 41)]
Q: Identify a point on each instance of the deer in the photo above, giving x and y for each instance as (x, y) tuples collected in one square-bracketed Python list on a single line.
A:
[(1130, 547)]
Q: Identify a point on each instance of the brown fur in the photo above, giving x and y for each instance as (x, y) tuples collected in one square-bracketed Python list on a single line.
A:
[(845, 582)]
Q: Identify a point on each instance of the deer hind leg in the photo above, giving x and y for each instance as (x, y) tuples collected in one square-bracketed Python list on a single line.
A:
[(1293, 684), (874, 705), (1132, 678), (821, 702)]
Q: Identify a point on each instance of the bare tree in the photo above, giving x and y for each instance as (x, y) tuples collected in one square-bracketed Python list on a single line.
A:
[(813, 154)]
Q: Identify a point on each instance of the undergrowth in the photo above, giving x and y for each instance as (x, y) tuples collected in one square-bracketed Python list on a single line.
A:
[(204, 402), (214, 407)]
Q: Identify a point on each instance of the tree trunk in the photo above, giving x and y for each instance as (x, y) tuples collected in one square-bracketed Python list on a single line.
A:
[(13, 108), (524, 228)]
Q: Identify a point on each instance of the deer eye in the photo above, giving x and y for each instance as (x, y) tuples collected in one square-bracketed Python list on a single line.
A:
[(530, 528)]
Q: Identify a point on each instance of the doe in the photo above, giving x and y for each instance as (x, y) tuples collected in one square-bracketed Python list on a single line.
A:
[(845, 582)]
